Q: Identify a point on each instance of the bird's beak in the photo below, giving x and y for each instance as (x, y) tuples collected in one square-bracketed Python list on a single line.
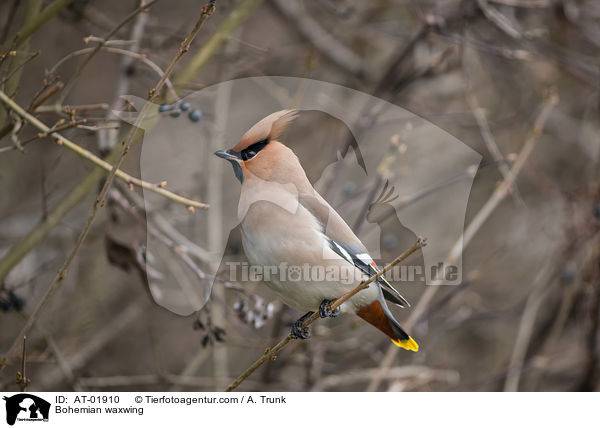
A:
[(229, 155)]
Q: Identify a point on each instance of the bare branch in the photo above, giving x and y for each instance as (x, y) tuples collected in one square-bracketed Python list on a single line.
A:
[(156, 188), (140, 57), (142, 9), (507, 25), (321, 39), (233, 21), (490, 142), (40, 19), (96, 343)]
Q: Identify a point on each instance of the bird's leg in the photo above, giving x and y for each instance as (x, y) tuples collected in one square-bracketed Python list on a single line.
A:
[(298, 331), (324, 311)]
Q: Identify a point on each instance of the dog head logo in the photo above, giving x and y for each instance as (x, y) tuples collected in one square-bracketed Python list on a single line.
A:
[(26, 407)]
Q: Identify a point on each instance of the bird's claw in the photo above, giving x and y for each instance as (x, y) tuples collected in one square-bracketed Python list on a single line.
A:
[(325, 312), (298, 331)]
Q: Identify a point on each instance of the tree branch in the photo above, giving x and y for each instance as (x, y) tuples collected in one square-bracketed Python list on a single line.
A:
[(156, 188), (140, 57), (141, 9), (41, 18), (233, 21), (312, 31)]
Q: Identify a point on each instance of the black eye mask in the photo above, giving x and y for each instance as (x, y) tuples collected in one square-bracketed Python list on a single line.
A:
[(246, 154), (252, 150)]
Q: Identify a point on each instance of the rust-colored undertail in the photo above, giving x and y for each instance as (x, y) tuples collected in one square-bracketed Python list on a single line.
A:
[(376, 316)]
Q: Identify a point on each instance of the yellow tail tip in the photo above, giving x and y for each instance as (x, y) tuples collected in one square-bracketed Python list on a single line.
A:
[(408, 344)]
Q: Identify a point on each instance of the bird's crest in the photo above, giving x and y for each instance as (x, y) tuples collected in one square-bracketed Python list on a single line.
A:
[(268, 128), (386, 198)]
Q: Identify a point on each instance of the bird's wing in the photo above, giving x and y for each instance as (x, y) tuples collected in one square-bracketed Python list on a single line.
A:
[(334, 226), (346, 244), (365, 263)]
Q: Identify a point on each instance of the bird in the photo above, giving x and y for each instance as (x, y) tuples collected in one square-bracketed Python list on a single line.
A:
[(286, 222)]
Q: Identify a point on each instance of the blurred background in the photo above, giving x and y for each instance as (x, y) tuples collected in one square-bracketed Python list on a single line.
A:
[(515, 80)]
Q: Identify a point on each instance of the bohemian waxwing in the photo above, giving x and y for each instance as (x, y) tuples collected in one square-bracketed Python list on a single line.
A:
[(285, 222)]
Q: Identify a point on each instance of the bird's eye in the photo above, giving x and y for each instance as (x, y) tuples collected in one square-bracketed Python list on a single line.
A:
[(248, 154), (251, 151)]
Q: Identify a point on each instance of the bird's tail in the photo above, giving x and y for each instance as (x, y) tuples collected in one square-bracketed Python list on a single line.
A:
[(380, 317)]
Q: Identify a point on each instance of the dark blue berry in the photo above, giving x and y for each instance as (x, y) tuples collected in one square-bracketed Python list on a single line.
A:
[(597, 211), (184, 106), (195, 115), (165, 107), (175, 113)]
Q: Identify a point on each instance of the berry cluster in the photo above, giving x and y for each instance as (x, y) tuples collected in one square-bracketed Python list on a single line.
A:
[(256, 315), (195, 115)]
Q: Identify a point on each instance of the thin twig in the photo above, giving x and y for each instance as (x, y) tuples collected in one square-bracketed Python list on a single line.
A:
[(312, 31), (271, 352), (504, 23), (142, 9), (31, 11), (57, 108), (107, 139), (47, 223), (96, 343), (490, 142), (8, 54), (486, 133), (526, 326), (163, 226), (179, 250), (233, 21), (60, 359), (48, 89), (15, 135), (22, 376), (55, 128), (132, 42), (193, 365), (140, 57), (525, 3), (587, 254), (185, 47), (63, 364), (18, 67)]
